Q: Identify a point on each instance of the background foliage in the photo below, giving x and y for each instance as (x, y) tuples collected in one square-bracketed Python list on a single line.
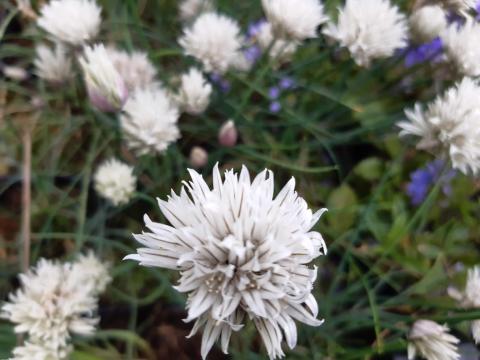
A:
[(389, 262)]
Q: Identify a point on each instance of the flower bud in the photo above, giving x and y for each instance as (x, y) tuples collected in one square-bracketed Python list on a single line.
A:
[(106, 88), (228, 134), (198, 157)]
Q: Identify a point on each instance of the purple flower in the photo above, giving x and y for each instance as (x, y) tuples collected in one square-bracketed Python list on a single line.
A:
[(221, 82), (274, 93), (253, 53), (425, 52), (275, 107), (286, 83), (424, 178), (254, 28)]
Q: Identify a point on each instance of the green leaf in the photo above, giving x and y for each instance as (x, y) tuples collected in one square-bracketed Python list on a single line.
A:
[(369, 169)]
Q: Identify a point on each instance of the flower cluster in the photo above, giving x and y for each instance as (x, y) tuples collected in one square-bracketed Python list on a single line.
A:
[(241, 252), (115, 181), (55, 301)]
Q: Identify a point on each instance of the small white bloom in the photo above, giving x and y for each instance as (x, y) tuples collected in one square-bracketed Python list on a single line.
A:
[(39, 351), (71, 21), (149, 121), (51, 306), (190, 9), (136, 69), (214, 40), (105, 86), (53, 65), (294, 19), (470, 297), (92, 273), (370, 29), (427, 23), (242, 253), (228, 134), (450, 125), (115, 181), (461, 47), (280, 49), (16, 73), (195, 91), (432, 341)]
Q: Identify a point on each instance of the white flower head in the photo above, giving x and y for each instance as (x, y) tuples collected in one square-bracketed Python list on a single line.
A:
[(279, 48), (241, 252), (149, 121), (115, 181), (190, 9), (51, 306), (214, 40), (470, 297), (53, 65), (427, 23), (105, 86), (432, 341), (39, 351), (135, 68), (370, 29), (294, 19), (16, 73), (194, 93), (461, 47), (450, 125), (92, 272), (71, 21)]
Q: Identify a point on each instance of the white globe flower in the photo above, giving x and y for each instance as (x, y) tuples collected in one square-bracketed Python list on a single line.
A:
[(115, 181), (242, 253), (279, 48), (432, 341), (149, 121), (370, 29), (51, 305), (92, 272), (190, 9), (39, 351), (294, 19), (194, 93), (450, 125), (427, 23), (71, 21), (135, 68), (214, 40), (105, 86), (461, 47), (53, 65)]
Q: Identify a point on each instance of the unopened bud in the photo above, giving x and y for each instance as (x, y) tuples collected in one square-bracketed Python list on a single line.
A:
[(228, 134), (198, 157), (16, 73)]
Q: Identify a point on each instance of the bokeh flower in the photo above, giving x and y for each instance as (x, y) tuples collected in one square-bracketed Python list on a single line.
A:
[(115, 181), (293, 19), (190, 9), (432, 341), (194, 94), (450, 126), (214, 40), (241, 252), (53, 65), (105, 86), (427, 23), (370, 29), (71, 21), (135, 68), (228, 134), (461, 47), (149, 121)]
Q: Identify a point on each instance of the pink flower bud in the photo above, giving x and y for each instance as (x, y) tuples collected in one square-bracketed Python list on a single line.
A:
[(228, 134), (103, 103), (198, 157)]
